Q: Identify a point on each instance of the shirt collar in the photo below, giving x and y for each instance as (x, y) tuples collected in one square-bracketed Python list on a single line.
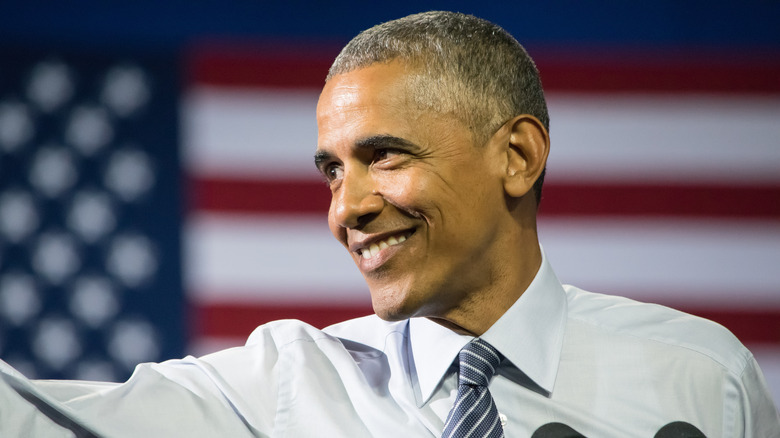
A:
[(529, 334)]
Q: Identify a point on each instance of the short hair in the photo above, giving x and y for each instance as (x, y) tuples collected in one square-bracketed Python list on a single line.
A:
[(468, 67)]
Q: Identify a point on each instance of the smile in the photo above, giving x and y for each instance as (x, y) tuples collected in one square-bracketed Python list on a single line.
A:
[(373, 249)]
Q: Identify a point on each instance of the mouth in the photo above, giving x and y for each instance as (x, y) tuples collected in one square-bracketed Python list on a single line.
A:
[(373, 248)]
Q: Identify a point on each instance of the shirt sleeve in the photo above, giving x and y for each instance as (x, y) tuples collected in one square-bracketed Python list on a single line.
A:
[(229, 393), (756, 415)]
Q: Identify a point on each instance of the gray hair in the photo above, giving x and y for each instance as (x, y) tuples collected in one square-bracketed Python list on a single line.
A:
[(468, 67)]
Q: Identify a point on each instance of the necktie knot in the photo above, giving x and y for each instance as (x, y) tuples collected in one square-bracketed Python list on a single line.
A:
[(478, 362)]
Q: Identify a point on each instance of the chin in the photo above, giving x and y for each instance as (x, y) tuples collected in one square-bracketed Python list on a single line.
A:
[(390, 313), (392, 308)]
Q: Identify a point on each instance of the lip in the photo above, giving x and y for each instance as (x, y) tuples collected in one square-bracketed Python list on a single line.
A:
[(358, 245), (385, 254)]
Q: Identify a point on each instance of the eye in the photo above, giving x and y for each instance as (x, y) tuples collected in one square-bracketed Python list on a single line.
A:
[(333, 172)]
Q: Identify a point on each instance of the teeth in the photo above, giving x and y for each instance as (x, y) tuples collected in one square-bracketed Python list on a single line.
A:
[(375, 247)]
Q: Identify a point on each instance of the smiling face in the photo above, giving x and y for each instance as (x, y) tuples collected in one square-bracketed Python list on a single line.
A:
[(419, 206)]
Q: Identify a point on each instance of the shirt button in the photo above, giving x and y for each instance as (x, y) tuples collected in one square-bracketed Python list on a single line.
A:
[(502, 418)]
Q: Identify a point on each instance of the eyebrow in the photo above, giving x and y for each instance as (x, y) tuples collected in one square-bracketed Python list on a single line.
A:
[(321, 157), (384, 140), (372, 142)]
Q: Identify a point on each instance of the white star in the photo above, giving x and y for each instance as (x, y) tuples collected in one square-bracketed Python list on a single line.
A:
[(91, 215), (50, 85), (18, 215), (130, 174), (56, 342), (132, 342), (132, 258), (125, 90), (53, 171), (56, 257), (94, 300), (95, 370), (19, 298), (16, 125), (89, 129)]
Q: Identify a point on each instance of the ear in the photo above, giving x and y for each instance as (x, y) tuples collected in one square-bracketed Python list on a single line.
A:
[(527, 146)]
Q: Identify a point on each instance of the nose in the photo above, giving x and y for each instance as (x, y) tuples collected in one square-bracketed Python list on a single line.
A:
[(356, 201)]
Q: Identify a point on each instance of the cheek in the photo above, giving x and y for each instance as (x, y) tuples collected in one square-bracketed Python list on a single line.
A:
[(398, 188)]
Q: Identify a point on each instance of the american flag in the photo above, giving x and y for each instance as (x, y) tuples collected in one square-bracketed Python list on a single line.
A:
[(663, 185), (89, 213)]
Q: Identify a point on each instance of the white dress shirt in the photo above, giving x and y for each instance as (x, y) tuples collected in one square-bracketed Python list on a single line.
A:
[(600, 365)]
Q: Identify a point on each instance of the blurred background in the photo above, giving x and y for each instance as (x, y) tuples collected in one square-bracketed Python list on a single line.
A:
[(158, 197)]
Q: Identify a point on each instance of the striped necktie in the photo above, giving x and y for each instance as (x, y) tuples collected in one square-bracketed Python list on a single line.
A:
[(474, 413)]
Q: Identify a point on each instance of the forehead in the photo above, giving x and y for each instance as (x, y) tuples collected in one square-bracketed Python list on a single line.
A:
[(366, 83), (372, 99)]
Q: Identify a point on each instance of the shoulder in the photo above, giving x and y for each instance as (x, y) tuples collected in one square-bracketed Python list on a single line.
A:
[(368, 330), (283, 332), (619, 317)]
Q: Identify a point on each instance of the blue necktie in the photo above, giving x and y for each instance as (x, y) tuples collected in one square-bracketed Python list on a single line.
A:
[(474, 413)]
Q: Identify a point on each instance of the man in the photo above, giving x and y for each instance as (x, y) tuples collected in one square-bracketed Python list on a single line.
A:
[(433, 138)]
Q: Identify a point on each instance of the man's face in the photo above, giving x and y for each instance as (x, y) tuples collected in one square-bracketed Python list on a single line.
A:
[(419, 206)]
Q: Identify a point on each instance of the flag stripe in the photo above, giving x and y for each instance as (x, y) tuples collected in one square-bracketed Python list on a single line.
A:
[(282, 258), (643, 139), (259, 196), (275, 196), (685, 71), (714, 261), (295, 259), (582, 71), (278, 66), (236, 320), (679, 200)]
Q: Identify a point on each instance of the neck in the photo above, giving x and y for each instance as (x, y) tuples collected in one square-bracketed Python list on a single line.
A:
[(481, 309)]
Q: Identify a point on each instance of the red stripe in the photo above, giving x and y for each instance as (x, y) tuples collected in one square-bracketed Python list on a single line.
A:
[(587, 70), (270, 65), (591, 199), (690, 71), (259, 196), (754, 326), (238, 320), (661, 200)]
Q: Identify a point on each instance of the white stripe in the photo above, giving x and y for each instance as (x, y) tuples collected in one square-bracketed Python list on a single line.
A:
[(718, 263), (473, 382), (478, 422), (768, 358), (488, 348), (492, 369), (493, 426), (471, 408), (290, 259), (461, 396), (243, 131), (663, 137), (231, 258), (256, 131)]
